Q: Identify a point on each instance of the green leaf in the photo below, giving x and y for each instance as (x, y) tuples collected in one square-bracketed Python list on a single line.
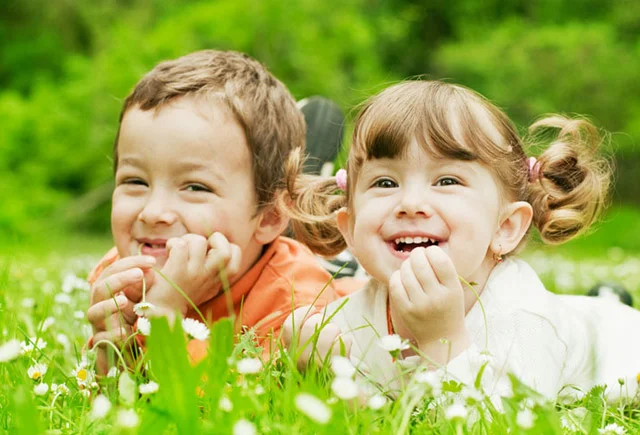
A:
[(169, 363), (127, 389)]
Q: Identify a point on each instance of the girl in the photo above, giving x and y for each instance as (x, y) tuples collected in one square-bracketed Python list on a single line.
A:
[(439, 195)]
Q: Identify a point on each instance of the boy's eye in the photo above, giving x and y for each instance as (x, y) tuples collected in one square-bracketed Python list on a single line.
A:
[(196, 187), (447, 181), (134, 181), (385, 183)]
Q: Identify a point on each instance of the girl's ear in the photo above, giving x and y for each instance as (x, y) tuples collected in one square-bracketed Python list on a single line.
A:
[(271, 223), (343, 219), (515, 221)]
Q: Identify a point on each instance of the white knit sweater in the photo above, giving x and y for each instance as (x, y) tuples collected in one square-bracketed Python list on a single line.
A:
[(548, 341)]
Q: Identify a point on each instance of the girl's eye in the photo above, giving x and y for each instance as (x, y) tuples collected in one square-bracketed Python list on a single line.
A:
[(447, 181), (385, 183), (197, 188)]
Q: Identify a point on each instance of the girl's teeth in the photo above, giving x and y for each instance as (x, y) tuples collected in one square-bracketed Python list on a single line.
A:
[(414, 240)]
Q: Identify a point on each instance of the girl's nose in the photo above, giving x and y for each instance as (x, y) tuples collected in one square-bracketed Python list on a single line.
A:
[(413, 203), (158, 209)]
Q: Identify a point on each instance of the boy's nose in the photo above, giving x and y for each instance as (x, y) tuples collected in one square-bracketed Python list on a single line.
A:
[(158, 210)]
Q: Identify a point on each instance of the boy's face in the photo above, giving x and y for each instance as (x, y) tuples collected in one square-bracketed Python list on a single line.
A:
[(183, 169)]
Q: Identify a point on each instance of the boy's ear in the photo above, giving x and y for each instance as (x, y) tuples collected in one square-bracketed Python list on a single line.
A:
[(515, 221), (343, 219), (271, 223)]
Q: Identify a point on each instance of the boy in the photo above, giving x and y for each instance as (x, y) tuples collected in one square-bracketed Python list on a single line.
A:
[(201, 155)]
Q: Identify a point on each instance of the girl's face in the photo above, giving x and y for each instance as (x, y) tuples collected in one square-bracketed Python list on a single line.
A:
[(417, 200)]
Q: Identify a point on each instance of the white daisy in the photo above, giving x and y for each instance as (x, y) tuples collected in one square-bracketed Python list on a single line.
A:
[(100, 408), (148, 388), (84, 375), (313, 408), (128, 418), (525, 418), (195, 329), (249, 366), (344, 388), (113, 372), (144, 326), (63, 340), (244, 427), (143, 308), (432, 379), (457, 410), (46, 324), (63, 299), (60, 389), (612, 429), (376, 402), (225, 404), (37, 371), (10, 350), (41, 389), (32, 343), (393, 343), (342, 367)]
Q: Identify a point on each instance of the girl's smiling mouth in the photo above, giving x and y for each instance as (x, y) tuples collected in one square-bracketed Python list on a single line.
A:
[(406, 244)]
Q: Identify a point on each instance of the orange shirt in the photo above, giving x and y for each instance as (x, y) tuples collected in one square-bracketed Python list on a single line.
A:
[(287, 275)]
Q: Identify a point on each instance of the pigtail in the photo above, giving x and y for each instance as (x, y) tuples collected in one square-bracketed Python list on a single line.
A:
[(570, 182), (311, 201)]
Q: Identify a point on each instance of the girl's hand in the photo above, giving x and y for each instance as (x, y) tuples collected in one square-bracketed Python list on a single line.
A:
[(426, 297), (194, 265), (298, 330)]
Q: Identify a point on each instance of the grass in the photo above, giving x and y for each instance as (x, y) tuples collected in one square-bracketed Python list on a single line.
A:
[(43, 296)]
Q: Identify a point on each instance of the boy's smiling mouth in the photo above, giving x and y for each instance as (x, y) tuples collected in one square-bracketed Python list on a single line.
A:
[(153, 247)]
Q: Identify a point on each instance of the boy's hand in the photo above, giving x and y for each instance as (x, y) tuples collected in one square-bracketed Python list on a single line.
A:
[(427, 299), (301, 325), (194, 265), (123, 279), (113, 295)]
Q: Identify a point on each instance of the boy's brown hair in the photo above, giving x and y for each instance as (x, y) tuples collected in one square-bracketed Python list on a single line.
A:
[(265, 109)]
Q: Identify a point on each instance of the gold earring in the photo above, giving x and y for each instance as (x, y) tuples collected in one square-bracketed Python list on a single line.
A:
[(498, 257)]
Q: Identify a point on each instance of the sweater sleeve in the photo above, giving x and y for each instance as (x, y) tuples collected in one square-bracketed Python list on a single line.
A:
[(525, 345)]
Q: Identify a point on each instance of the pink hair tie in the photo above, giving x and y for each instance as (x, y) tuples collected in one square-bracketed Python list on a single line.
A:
[(341, 180), (534, 170)]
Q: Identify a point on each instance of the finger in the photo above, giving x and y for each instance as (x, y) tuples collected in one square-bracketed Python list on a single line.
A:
[(424, 272), (178, 252), (236, 257), (412, 286), (100, 311), (327, 344), (219, 255), (197, 247), (397, 294), (293, 324), (106, 287), (126, 263), (443, 267), (307, 339), (117, 336)]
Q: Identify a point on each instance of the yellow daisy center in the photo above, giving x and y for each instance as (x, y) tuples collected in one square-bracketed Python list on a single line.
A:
[(82, 374)]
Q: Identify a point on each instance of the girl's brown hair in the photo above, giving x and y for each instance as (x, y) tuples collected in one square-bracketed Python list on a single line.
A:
[(451, 121)]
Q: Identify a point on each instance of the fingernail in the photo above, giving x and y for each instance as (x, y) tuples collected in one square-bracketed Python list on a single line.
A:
[(135, 273), (121, 300), (150, 260)]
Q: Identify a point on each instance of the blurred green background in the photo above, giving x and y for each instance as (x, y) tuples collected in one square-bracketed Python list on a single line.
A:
[(66, 66)]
